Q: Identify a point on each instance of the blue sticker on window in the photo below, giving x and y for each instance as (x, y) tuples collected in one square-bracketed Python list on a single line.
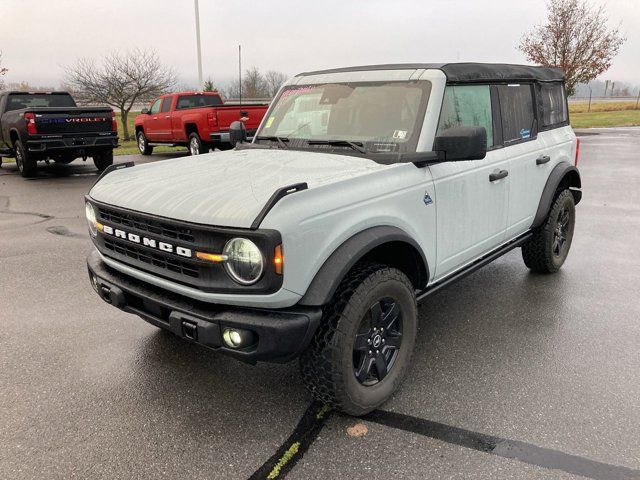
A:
[(427, 199), (525, 133)]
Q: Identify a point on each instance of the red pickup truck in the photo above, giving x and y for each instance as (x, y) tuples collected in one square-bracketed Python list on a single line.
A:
[(196, 120)]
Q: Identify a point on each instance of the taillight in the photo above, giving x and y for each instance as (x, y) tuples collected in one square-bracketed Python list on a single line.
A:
[(577, 152), (114, 122), (30, 118), (212, 119)]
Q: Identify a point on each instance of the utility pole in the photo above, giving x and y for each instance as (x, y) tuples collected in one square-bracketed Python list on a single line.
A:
[(240, 71), (200, 83)]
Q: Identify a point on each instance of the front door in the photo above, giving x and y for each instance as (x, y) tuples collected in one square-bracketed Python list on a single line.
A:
[(163, 124), (152, 125), (471, 196)]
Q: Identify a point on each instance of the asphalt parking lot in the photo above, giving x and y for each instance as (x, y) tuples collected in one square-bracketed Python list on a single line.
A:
[(516, 375)]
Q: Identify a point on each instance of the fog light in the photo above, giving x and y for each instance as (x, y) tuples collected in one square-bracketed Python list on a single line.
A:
[(236, 338), (94, 282)]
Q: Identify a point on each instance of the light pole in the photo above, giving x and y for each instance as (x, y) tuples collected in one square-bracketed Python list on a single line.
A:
[(200, 83)]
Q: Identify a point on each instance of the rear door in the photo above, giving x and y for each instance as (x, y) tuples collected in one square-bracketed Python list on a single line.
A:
[(529, 160), (471, 196), (152, 126)]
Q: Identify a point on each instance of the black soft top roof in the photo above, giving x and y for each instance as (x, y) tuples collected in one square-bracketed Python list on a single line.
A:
[(468, 72)]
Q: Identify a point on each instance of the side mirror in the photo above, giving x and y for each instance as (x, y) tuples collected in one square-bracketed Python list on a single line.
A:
[(145, 111), (237, 133), (462, 143)]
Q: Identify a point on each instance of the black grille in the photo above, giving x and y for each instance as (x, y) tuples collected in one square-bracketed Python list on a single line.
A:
[(193, 272), (156, 259), (139, 223)]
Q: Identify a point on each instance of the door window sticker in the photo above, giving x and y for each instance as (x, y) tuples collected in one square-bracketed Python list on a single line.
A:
[(525, 133)]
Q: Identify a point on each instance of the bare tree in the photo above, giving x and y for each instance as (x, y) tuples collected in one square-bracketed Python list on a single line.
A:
[(121, 80), (274, 80), (232, 90), (575, 38), (3, 71), (253, 84)]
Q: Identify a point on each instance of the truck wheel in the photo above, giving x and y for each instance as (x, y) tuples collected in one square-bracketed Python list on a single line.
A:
[(26, 165), (196, 145), (143, 144), (549, 247), (103, 160), (363, 346)]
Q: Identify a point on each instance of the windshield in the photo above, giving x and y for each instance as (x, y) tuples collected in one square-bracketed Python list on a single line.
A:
[(376, 116), (18, 101)]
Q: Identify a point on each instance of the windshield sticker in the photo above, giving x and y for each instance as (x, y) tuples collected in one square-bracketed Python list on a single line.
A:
[(524, 133), (400, 134), (269, 122), (296, 91)]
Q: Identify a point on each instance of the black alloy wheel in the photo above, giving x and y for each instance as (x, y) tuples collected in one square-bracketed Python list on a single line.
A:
[(378, 341)]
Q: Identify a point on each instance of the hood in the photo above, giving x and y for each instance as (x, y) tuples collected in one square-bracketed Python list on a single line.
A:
[(223, 188)]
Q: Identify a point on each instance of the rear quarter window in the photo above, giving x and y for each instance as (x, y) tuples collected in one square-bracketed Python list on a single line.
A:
[(517, 112), (554, 105)]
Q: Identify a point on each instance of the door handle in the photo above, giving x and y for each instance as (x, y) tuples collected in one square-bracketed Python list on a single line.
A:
[(498, 175), (155, 118), (167, 116), (542, 160)]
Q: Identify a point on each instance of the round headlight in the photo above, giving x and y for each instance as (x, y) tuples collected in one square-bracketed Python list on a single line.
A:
[(244, 263), (91, 218)]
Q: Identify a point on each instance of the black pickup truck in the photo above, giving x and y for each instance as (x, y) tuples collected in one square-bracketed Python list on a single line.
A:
[(49, 126)]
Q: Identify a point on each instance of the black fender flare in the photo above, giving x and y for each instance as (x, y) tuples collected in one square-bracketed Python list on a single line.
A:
[(562, 174), (334, 269)]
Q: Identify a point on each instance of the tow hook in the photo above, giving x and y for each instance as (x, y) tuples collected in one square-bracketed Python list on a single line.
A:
[(190, 330)]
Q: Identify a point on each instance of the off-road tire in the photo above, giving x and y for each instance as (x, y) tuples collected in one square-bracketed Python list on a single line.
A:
[(103, 160), (327, 365), (143, 144), (26, 164), (540, 253)]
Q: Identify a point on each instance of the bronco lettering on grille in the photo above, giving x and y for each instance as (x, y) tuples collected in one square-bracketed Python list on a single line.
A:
[(147, 242)]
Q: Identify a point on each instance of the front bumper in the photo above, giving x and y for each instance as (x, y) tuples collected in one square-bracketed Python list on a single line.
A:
[(281, 335)]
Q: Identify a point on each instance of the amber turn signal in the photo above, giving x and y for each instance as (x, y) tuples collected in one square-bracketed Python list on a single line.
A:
[(211, 257), (278, 259)]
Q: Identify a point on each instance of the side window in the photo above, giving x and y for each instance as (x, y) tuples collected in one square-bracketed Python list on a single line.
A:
[(554, 105), (516, 109), (166, 104), (467, 106), (155, 108), (185, 102)]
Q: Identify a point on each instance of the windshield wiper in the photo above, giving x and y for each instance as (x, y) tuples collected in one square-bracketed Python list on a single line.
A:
[(281, 140), (357, 146)]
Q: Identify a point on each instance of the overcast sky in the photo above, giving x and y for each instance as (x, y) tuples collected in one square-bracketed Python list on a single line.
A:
[(38, 37)]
